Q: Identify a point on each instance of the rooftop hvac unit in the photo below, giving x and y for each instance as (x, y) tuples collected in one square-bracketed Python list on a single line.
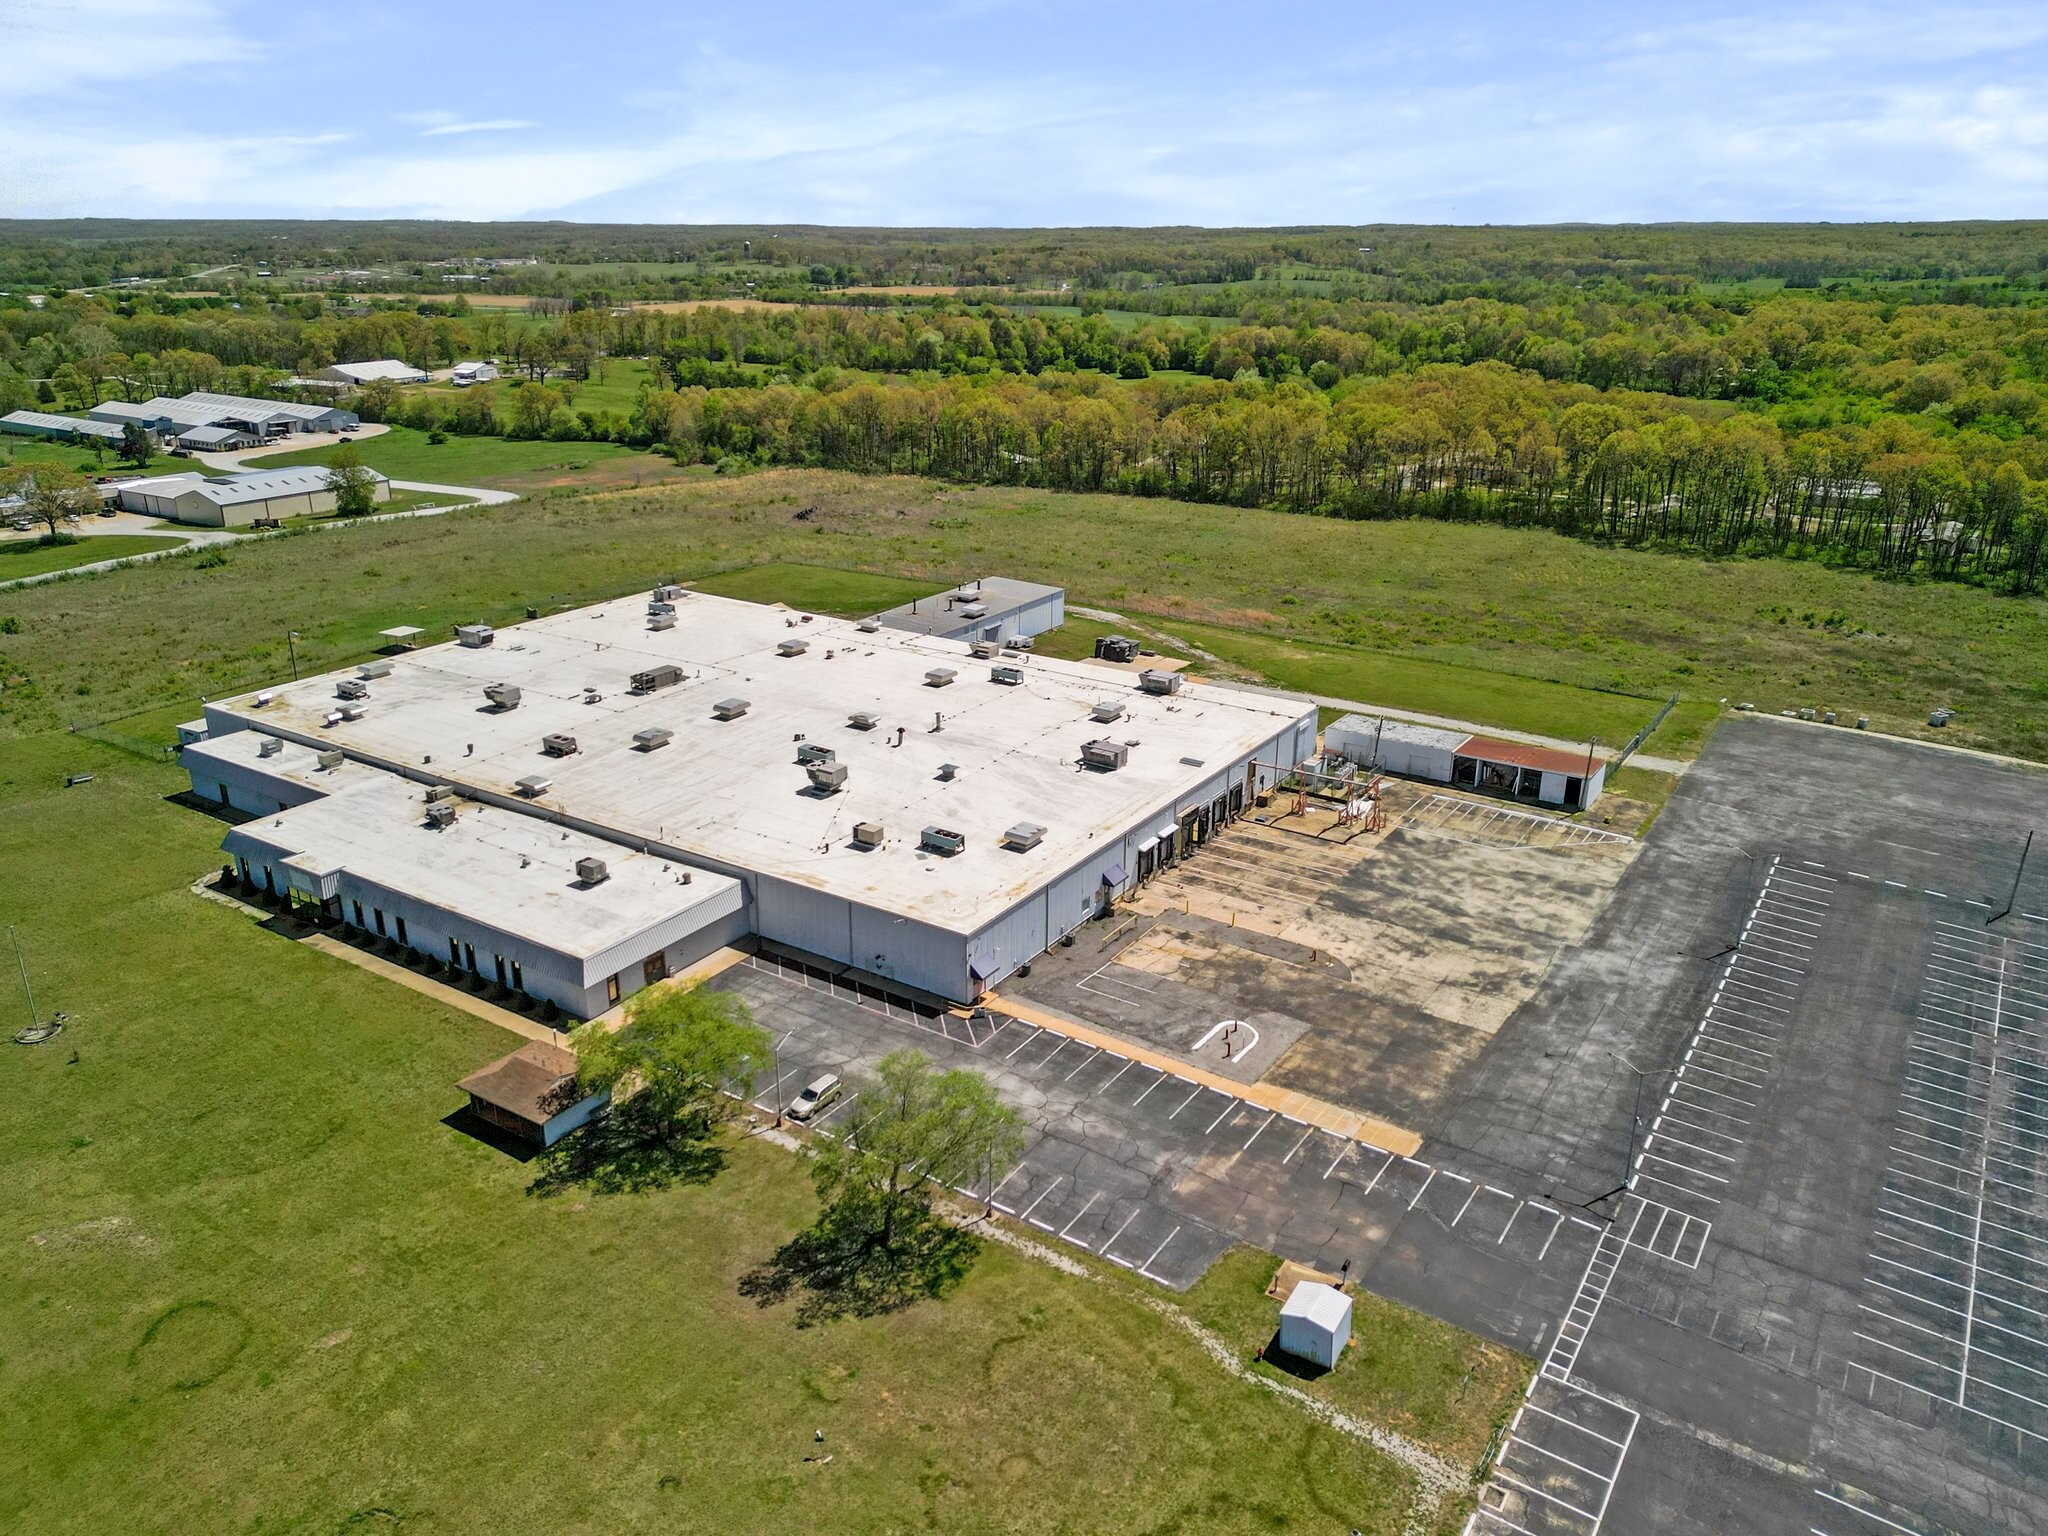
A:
[(331, 759), (436, 793), (558, 745), (867, 834), (1011, 675), (353, 710), (264, 698), (1152, 680), (1116, 648), (967, 594), (374, 669), (938, 677), (351, 688), (667, 592), (1105, 754), (984, 649), (1023, 837), (830, 777), (592, 871), (810, 752), (868, 626), (535, 785), (475, 636), (660, 606), (973, 610), (660, 621), (503, 695), (863, 719), (792, 647), (654, 736), (1106, 709), (939, 840), (269, 746), (439, 816), (656, 677), (1022, 642), (729, 709)]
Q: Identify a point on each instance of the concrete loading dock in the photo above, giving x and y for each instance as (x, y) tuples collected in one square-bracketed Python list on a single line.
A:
[(1539, 775), (841, 871)]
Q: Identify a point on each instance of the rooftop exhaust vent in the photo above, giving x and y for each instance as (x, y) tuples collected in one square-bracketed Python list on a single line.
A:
[(729, 709), (1152, 680), (863, 719), (653, 737), (867, 834), (558, 745), (830, 777), (592, 871), (1106, 709), (949, 770), (657, 677), (1105, 754), (353, 710), (374, 669), (984, 649), (263, 699), (270, 746), (1010, 675), (475, 636), (661, 621), (939, 677), (534, 785), (939, 840), (868, 626), (973, 610), (351, 688), (792, 647), (503, 696), (1023, 837)]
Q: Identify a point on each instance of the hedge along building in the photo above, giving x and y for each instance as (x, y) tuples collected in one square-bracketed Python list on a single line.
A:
[(885, 800)]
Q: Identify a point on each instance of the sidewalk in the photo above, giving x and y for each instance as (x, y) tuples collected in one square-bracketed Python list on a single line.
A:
[(1298, 1106)]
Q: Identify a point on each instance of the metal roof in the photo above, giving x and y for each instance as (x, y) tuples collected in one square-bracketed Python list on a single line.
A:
[(940, 613), (380, 368), (69, 426), (263, 484)]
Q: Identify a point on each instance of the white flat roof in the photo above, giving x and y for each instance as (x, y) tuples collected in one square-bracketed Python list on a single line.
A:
[(496, 867), (291, 762), (731, 791)]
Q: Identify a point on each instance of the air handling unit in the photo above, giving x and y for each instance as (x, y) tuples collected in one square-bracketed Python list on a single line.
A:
[(656, 677), (503, 696), (1152, 680), (939, 840), (558, 745), (475, 636), (592, 871), (829, 777), (1105, 755)]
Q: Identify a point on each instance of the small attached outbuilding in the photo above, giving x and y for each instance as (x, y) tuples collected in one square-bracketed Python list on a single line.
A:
[(533, 1093), (1315, 1323)]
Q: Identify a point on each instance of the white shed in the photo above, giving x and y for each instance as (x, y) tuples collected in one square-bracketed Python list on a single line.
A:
[(1315, 1323)]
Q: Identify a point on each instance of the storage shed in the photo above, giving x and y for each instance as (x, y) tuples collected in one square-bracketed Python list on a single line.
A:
[(533, 1093), (1519, 770), (1315, 1323)]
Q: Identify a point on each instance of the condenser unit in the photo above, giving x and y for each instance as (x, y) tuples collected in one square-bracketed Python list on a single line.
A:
[(351, 688), (439, 816), (830, 777), (1106, 755), (270, 746), (656, 677), (939, 840), (558, 745), (810, 752), (592, 871), (475, 636), (1010, 675), (660, 621), (331, 759), (503, 695), (1152, 680), (867, 834)]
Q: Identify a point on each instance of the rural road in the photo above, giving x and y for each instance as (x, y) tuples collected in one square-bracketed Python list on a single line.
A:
[(1672, 765)]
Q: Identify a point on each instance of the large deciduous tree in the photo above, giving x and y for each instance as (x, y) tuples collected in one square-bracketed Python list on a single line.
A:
[(681, 1051)]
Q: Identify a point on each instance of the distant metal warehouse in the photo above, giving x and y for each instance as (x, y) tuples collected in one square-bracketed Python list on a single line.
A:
[(995, 608), (238, 499), (64, 428)]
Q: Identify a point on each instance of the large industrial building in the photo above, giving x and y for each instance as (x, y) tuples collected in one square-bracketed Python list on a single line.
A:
[(598, 796), (257, 421), (62, 428), (238, 498)]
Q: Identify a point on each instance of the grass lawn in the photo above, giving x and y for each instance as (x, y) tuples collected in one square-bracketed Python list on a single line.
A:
[(818, 589), (250, 1282), (1433, 1383), (27, 557), (1491, 613), (404, 454), (28, 450), (1461, 692)]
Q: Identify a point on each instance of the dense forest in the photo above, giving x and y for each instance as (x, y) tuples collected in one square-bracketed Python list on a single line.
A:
[(1866, 394)]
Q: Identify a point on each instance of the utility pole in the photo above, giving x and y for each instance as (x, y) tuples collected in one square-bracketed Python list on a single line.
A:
[(2015, 896), (291, 639)]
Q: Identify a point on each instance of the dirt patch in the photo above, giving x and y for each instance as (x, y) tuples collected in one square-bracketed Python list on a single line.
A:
[(102, 1232)]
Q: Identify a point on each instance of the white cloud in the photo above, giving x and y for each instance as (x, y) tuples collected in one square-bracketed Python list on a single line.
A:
[(493, 125), (62, 47)]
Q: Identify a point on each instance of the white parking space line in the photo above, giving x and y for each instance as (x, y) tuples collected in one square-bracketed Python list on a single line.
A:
[(1162, 1077), (1084, 1062), (1145, 1268), (1077, 1219), (1261, 1130), (1055, 1184), (1305, 1135), (1184, 1103)]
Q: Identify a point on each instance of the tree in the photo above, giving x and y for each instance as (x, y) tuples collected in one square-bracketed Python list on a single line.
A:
[(679, 1053), (136, 447), (50, 492), (354, 487), (915, 1130)]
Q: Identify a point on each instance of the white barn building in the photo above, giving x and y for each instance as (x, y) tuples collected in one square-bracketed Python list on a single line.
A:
[(238, 498)]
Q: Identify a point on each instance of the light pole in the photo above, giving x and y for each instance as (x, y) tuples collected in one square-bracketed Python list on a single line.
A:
[(291, 640), (13, 934), (1635, 1119)]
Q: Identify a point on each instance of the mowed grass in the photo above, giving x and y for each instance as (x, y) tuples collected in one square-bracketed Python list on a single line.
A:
[(250, 1282), (405, 454), (817, 589), (1527, 608), (27, 557), (28, 450), (1438, 1385)]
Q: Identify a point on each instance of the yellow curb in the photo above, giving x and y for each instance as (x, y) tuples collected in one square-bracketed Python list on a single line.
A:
[(1311, 1111)]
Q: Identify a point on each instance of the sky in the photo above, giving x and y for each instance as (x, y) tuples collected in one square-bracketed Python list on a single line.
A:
[(985, 113)]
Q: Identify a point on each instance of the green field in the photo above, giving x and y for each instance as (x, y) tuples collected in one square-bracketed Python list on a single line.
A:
[(27, 557), (404, 454), (28, 450), (250, 1281), (819, 589), (1623, 627)]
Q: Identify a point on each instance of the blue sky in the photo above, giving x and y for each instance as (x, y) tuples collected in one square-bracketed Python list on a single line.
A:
[(980, 112)]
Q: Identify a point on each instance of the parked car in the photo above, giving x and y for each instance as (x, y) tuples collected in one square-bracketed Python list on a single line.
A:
[(817, 1093)]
